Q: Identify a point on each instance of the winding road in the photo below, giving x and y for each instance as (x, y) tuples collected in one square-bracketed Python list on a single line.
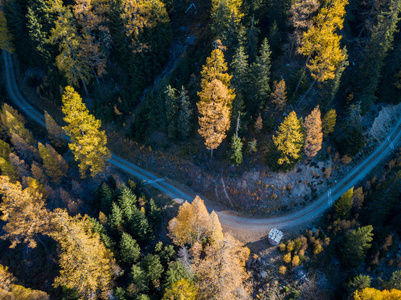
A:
[(245, 228)]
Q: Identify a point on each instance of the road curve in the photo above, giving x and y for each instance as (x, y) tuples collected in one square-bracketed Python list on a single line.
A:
[(245, 228)]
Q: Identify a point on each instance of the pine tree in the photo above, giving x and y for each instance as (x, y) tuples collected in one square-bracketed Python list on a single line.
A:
[(260, 77), (381, 42), (279, 95), (88, 142), (181, 289), (24, 212), (329, 121), (153, 269), (24, 150), (343, 205), (313, 133), (184, 116), (354, 246), (175, 272), (140, 225), (85, 263), (116, 217), (171, 111), (37, 36), (240, 68), (289, 141), (54, 131), (138, 279), (221, 13), (129, 249), (252, 35), (214, 109), (236, 151), (127, 202), (360, 282)]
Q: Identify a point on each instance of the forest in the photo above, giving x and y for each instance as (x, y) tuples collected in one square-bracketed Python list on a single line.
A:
[(243, 108)]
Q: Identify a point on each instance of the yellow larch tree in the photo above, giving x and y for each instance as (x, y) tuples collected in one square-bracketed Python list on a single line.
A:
[(219, 270), (55, 166), (373, 294), (321, 43), (215, 112), (88, 142), (24, 212), (313, 133), (85, 263), (192, 223)]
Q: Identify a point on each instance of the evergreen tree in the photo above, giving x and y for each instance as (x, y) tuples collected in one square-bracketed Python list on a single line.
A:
[(279, 95), (14, 12), (176, 272), (359, 282), (171, 111), (289, 141), (240, 71), (343, 205), (260, 77), (354, 246), (329, 121), (129, 249), (140, 225), (37, 37), (116, 217), (236, 151), (313, 133), (88, 142), (153, 268), (381, 42), (252, 34), (138, 278), (154, 212), (221, 13), (185, 115), (127, 202), (106, 198)]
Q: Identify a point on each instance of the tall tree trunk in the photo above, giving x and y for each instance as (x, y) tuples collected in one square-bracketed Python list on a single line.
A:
[(307, 92), (85, 88), (302, 75)]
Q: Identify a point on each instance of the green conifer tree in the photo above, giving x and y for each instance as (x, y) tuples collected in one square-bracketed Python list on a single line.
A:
[(116, 217), (260, 78), (354, 246), (171, 111), (343, 205), (129, 249), (236, 151), (184, 115)]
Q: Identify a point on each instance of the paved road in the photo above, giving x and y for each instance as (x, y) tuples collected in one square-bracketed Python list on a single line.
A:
[(247, 229)]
